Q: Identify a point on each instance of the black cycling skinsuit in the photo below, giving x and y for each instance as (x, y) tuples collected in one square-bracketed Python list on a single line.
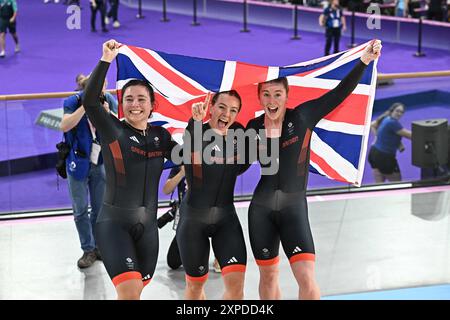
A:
[(126, 230), (207, 210), (278, 210)]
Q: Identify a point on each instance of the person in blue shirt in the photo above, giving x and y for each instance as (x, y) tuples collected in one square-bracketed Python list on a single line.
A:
[(333, 20), (389, 132), (8, 15), (86, 173), (401, 8)]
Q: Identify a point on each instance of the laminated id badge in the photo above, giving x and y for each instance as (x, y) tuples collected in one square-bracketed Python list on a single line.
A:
[(335, 23), (175, 221), (95, 153)]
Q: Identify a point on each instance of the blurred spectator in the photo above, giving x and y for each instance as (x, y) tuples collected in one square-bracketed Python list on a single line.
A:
[(333, 20), (415, 9), (447, 11), (389, 132), (113, 13), (436, 9), (98, 5), (401, 8), (8, 15), (389, 7), (356, 5)]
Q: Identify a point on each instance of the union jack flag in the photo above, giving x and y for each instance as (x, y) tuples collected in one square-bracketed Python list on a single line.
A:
[(339, 141)]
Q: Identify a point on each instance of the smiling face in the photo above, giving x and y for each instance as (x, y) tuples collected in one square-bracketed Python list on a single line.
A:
[(273, 97), (223, 112), (397, 113), (137, 106)]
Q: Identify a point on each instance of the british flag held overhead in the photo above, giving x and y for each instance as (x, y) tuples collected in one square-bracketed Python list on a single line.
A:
[(339, 141)]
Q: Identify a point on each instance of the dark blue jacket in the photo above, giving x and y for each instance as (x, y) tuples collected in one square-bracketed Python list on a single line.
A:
[(333, 17)]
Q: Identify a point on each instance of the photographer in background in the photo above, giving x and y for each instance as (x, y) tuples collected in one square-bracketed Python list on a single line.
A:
[(85, 170), (177, 180), (333, 20)]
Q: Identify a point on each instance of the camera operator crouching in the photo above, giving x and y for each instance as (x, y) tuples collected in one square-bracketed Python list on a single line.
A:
[(176, 180)]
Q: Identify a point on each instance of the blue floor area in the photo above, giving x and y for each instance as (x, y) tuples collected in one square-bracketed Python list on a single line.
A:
[(438, 292)]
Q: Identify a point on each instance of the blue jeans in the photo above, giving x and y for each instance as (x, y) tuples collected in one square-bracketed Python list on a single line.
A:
[(399, 12), (78, 190)]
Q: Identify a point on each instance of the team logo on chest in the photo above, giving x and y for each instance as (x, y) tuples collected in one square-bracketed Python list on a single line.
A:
[(290, 128), (290, 140), (157, 142)]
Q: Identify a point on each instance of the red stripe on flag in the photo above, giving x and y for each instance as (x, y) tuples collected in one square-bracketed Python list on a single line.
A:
[(333, 174), (250, 104), (248, 73), (181, 112), (165, 72), (353, 110), (363, 48)]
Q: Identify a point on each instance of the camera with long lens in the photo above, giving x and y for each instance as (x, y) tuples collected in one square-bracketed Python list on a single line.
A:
[(102, 98), (63, 152), (169, 215)]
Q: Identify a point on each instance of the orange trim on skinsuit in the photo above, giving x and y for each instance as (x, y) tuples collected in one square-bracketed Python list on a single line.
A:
[(268, 262), (303, 153), (233, 268), (197, 168), (302, 257), (131, 275), (198, 279), (119, 167), (117, 155), (146, 282)]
